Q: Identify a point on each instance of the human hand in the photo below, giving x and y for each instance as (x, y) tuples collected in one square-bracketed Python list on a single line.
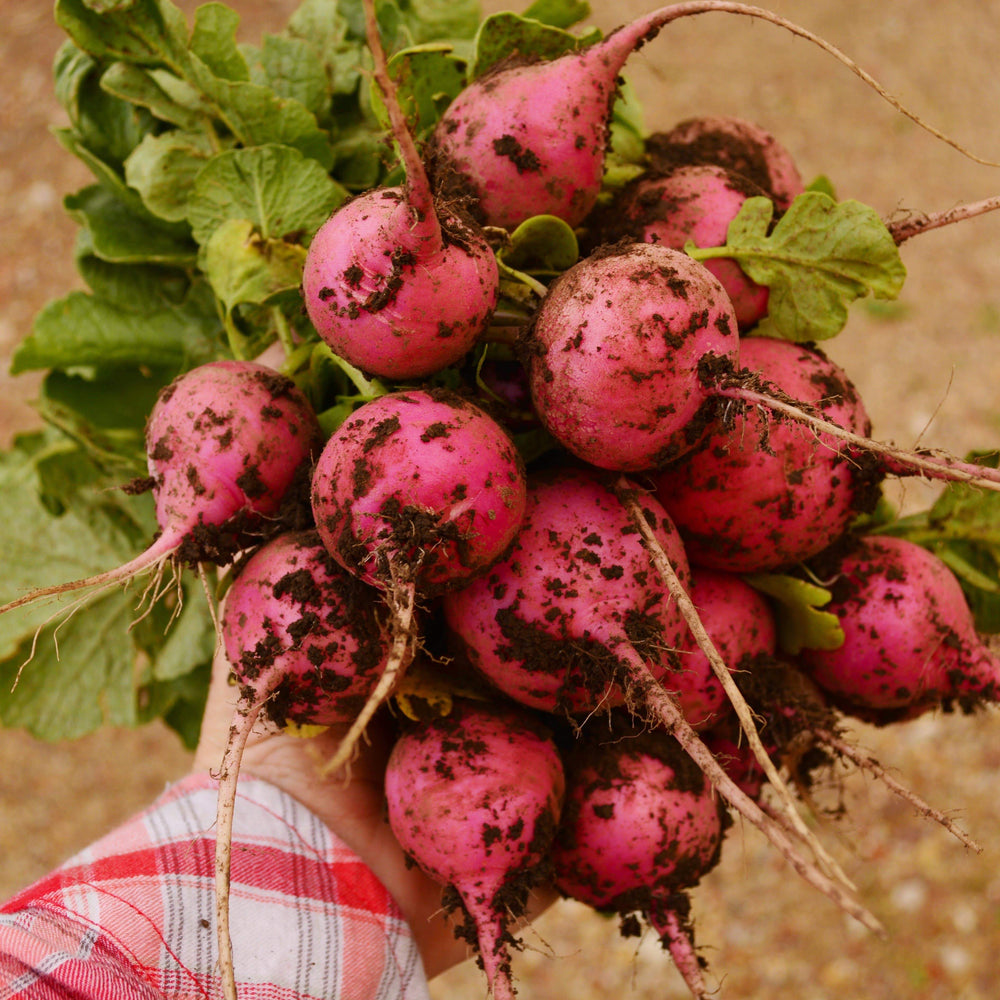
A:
[(351, 803)]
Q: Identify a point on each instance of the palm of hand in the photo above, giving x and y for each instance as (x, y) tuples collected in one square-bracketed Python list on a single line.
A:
[(351, 803)]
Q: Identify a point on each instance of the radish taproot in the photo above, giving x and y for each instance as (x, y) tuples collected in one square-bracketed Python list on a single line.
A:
[(416, 492), (550, 623), (224, 442), (391, 286), (307, 645), (640, 826), (616, 351), (910, 643), (474, 798), (423, 481)]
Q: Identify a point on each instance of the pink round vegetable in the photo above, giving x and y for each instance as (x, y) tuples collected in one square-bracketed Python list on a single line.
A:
[(225, 442), (397, 294), (909, 639), (696, 204), (762, 492), (296, 618), (617, 352), (474, 798), (740, 623), (554, 623), (735, 143), (393, 288), (529, 138), (640, 825), (306, 643), (423, 480)]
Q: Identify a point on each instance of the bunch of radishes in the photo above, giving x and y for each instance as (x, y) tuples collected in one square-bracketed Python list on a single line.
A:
[(586, 513)]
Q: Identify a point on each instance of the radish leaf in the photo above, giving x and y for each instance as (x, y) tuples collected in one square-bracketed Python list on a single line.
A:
[(83, 329), (162, 168), (292, 69), (96, 527), (146, 32), (819, 257), (121, 235), (276, 188), (141, 89), (503, 33), (243, 266), (801, 623)]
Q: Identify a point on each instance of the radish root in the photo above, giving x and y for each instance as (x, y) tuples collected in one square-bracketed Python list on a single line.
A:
[(659, 18), (245, 718), (868, 763), (402, 600), (898, 461), (922, 223), (626, 493)]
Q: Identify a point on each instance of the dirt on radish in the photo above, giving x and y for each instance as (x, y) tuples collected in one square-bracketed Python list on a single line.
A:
[(909, 897)]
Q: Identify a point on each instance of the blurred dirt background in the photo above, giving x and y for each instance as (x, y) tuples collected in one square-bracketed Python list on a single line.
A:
[(927, 366)]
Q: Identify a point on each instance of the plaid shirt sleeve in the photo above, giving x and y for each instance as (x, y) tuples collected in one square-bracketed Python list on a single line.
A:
[(133, 916)]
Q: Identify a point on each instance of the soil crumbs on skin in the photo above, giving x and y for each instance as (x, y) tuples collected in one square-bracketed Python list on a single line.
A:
[(765, 933)]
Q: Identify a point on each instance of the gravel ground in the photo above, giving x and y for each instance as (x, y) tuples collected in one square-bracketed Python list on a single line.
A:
[(927, 368)]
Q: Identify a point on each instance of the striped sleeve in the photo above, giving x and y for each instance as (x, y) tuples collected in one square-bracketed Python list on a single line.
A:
[(133, 915)]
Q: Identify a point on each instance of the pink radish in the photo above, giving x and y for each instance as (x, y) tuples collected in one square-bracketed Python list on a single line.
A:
[(696, 204), (760, 492), (909, 639), (617, 352), (734, 143), (225, 441), (550, 624), (416, 492), (640, 826), (474, 798), (424, 480), (741, 624), (395, 289), (307, 645), (296, 618), (633, 354), (529, 138)]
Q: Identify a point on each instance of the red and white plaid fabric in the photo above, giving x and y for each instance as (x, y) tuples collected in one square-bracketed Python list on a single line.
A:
[(133, 916)]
